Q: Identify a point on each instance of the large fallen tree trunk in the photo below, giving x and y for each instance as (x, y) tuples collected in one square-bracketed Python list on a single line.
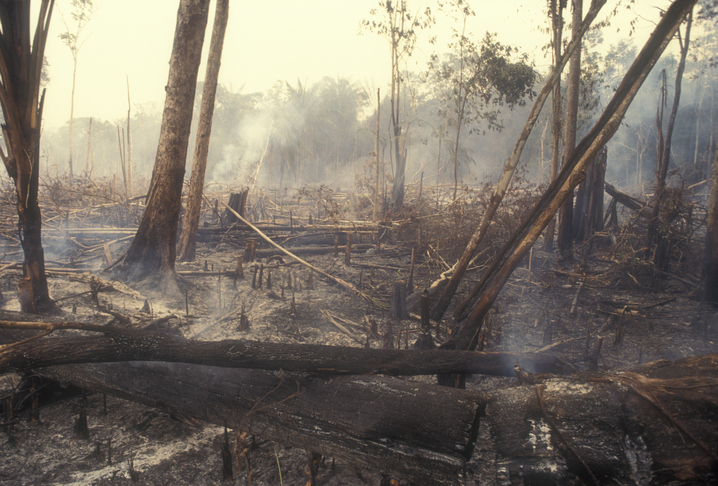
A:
[(392, 425), (135, 345), (656, 424)]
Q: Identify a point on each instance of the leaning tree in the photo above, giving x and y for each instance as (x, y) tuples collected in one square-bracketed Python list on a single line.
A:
[(153, 250), (20, 73)]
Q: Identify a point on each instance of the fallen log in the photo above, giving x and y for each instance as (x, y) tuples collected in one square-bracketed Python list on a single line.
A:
[(414, 430), (140, 345), (654, 424)]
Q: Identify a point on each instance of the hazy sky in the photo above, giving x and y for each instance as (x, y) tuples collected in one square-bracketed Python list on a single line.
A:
[(266, 41)]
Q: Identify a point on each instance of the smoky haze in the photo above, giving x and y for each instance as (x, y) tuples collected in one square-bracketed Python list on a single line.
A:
[(312, 119)]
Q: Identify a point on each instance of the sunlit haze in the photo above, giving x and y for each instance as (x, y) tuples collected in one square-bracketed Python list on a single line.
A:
[(266, 41)]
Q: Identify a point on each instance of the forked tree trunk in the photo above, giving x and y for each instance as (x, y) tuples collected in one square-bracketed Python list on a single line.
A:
[(188, 237), (153, 250), (20, 68)]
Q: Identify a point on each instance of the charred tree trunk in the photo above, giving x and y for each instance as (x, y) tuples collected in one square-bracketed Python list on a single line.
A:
[(238, 202), (188, 237), (409, 429), (20, 69), (588, 210), (135, 345), (153, 250), (565, 230), (655, 424)]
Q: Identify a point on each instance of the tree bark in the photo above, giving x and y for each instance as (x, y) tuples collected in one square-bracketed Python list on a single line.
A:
[(136, 345), (188, 237), (588, 209), (153, 250), (557, 28), (565, 230), (20, 69), (654, 424)]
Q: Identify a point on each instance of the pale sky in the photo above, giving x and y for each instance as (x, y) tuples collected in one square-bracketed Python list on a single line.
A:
[(266, 41)]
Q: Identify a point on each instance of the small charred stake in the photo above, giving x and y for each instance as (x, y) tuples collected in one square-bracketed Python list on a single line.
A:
[(269, 279), (261, 275), (313, 468), (240, 267), (186, 303), (336, 246), (249, 250), (254, 276), (243, 320), (8, 415), (398, 300), (81, 430), (410, 282), (348, 250), (226, 457)]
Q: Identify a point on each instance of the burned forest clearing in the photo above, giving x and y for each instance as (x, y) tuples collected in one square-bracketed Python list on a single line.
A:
[(599, 312), (446, 284)]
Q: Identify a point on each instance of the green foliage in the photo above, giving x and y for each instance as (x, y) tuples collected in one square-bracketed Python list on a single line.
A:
[(81, 13)]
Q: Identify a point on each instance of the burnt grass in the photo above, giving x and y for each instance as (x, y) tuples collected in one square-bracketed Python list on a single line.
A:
[(601, 309)]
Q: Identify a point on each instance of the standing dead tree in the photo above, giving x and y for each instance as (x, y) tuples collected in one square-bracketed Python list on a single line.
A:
[(485, 292), (654, 240), (20, 69), (565, 229), (188, 237), (153, 250)]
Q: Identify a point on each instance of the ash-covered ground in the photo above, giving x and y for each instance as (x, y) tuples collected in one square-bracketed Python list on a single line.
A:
[(596, 313)]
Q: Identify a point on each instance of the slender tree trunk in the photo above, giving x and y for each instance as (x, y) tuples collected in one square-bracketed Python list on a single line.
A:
[(188, 238), (710, 258), (557, 27), (129, 143), (72, 108), (88, 170), (653, 236), (376, 149), (565, 231), (153, 250)]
